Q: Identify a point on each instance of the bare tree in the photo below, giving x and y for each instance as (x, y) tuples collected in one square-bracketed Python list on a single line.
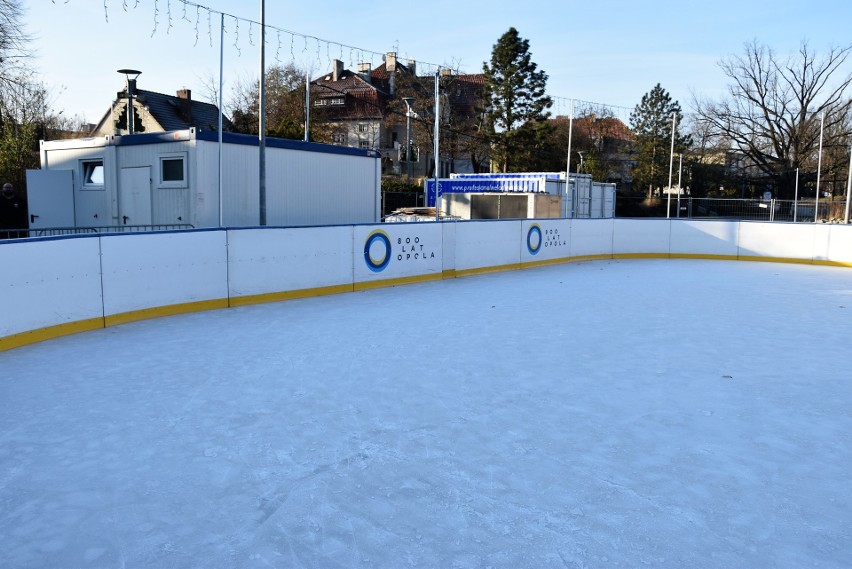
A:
[(13, 43), (285, 102), (22, 102), (772, 111)]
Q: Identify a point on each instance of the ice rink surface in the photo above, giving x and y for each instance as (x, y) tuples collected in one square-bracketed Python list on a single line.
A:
[(604, 414)]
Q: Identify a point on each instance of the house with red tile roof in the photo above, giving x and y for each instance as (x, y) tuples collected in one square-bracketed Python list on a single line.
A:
[(365, 109)]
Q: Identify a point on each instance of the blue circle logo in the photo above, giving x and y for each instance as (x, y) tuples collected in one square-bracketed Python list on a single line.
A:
[(377, 251), (534, 239)]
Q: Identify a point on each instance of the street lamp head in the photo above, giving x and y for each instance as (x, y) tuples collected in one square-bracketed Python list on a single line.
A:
[(131, 75)]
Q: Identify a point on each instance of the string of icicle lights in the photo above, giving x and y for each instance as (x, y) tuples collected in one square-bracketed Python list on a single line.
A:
[(311, 50)]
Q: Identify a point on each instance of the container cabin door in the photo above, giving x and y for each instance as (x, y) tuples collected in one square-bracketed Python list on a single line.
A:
[(134, 196), (50, 198)]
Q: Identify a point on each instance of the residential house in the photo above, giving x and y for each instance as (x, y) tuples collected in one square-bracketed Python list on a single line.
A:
[(157, 112), (610, 141), (365, 109)]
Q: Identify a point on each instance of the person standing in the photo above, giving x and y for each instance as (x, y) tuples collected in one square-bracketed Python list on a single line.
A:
[(13, 213)]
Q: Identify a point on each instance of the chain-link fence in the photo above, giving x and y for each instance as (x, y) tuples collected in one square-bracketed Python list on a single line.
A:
[(832, 211)]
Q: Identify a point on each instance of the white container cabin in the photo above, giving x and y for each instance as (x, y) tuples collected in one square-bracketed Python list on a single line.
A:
[(169, 179)]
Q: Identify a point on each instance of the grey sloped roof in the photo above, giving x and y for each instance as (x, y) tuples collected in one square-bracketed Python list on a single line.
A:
[(166, 110)]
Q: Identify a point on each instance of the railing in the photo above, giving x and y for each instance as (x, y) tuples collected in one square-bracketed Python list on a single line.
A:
[(721, 208), (54, 231)]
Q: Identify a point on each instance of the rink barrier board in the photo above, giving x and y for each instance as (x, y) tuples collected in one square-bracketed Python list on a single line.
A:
[(591, 238), (545, 240), (158, 273), (833, 242), (487, 246), (61, 284), (636, 236), (785, 241), (275, 261), (840, 247), (716, 238), (402, 253)]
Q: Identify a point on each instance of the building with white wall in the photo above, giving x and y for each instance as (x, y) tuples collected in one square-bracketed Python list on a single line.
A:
[(172, 178)]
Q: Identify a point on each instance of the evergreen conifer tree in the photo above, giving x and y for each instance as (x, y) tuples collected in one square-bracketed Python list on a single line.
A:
[(517, 103), (651, 121)]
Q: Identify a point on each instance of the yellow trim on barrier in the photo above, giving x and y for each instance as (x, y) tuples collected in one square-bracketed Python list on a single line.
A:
[(289, 295), (703, 256), (590, 258), (159, 311), (786, 260), (49, 333), (368, 285), (640, 256), (484, 270), (545, 262), (831, 263), (449, 274)]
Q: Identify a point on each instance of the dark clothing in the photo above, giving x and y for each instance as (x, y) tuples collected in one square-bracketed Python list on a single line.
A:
[(13, 214)]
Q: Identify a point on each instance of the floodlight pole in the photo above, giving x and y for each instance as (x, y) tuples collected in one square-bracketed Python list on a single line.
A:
[(848, 187), (679, 170), (437, 144), (307, 107), (796, 198), (671, 165), (408, 101), (262, 122), (819, 167), (221, 72), (565, 204)]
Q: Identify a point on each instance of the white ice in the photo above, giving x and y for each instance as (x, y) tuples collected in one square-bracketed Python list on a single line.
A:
[(603, 414)]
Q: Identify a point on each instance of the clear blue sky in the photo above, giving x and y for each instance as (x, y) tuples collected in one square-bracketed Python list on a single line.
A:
[(610, 52)]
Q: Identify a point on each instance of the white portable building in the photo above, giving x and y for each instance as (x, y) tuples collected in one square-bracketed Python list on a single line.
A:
[(172, 179), (584, 197)]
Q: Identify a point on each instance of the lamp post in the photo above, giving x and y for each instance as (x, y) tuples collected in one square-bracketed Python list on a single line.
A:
[(261, 162), (671, 165), (848, 188), (437, 146), (679, 170), (408, 101), (567, 210), (819, 166), (131, 90)]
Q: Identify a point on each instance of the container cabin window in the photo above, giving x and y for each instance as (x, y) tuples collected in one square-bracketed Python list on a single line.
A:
[(93, 174), (173, 171)]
